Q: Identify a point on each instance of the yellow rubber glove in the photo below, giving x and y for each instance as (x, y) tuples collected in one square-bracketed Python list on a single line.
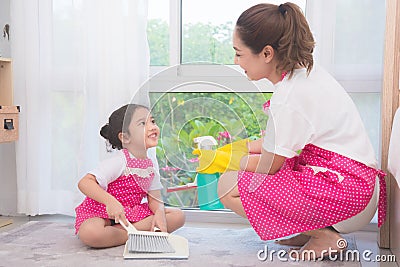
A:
[(226, 158)]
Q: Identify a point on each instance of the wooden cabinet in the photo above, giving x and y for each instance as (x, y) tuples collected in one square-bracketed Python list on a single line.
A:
[(8, 112)]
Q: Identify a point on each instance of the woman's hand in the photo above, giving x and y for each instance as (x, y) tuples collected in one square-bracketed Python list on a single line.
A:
[(115, 210), (159, 220)]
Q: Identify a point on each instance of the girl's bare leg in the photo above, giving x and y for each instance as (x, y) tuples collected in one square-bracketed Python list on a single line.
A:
[(228, 193), (175, 219), (98, 233)]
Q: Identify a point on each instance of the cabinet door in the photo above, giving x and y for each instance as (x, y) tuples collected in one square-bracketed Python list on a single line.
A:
[(6, 90)]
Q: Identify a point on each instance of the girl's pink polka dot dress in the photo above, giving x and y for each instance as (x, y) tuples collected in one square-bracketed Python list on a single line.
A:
[(129, 189), (297, 199)]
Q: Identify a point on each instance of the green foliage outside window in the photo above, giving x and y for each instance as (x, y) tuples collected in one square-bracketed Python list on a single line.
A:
[(158, 38), (200, 43), (207, 43), (184, 116)]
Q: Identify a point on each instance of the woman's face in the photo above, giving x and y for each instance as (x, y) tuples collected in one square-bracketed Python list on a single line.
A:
[(256, 66)]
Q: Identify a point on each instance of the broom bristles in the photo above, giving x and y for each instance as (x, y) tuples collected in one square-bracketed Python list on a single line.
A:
[(149, 243)]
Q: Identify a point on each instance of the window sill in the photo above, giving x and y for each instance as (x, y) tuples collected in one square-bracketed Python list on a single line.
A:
[(214, 216)]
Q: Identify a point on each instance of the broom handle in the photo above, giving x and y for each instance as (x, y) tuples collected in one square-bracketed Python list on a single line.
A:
[(130, 228)]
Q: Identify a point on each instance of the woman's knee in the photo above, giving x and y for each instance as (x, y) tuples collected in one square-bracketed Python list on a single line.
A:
[(226, 183)]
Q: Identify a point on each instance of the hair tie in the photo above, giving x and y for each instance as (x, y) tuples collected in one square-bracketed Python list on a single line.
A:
[(282, 9)]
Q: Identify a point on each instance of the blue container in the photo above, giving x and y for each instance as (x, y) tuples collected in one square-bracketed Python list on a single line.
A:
[(207, 195)]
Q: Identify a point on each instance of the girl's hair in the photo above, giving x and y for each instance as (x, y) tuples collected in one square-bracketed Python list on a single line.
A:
[(119, 122), (284, 28)]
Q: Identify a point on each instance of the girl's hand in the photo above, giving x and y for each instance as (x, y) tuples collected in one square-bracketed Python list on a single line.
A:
[(159, 220), (115, 210)]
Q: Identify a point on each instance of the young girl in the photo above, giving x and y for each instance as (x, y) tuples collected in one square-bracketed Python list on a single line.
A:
[(117, 190), (330, 186)]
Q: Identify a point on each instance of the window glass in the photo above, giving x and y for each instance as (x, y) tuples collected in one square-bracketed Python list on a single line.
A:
[(158, 32), (359, 39), (369, 107), (182, 117), (206, 31), (207, 27)]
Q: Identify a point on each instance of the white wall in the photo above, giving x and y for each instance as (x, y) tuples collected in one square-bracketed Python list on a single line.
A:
[(8, 174), (4, 19)]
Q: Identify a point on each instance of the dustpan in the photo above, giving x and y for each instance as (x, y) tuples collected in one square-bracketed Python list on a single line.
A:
[(149, 241), (179, 243)]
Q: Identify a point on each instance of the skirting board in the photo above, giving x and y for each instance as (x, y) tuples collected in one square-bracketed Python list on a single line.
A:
[(4, 222)]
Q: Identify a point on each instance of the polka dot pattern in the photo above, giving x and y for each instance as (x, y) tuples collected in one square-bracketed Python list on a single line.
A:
[(296, 199), (129, 189)]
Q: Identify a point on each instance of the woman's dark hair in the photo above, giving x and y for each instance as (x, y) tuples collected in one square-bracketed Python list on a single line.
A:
[(118, 122), (284, 28)]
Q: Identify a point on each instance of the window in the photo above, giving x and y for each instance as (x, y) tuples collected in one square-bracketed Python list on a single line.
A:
[(198, 101), (193, 31), (227, 116), (195, 37), (158, 34), (207, 28)]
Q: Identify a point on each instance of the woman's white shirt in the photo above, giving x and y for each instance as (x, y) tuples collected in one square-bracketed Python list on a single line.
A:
[(315, 109)]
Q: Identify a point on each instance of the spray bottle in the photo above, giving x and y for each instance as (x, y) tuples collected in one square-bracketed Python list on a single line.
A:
[(207, 184)]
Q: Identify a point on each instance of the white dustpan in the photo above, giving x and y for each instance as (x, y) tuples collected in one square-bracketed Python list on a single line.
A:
[(179, 243)]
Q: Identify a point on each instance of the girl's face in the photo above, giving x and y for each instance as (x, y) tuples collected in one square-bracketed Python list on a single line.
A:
[(256, 66), (143, 130)]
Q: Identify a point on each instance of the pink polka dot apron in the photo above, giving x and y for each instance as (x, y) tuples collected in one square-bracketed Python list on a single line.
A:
[(130, 189), (316, 189)]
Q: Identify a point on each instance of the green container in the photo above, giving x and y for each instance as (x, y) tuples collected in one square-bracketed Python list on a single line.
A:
[(207, 195)]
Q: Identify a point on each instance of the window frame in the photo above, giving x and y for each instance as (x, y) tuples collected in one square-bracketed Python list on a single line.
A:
[(366, 81), (323, 26)]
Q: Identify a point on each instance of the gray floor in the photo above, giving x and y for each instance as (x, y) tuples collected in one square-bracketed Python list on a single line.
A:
[(366, 240)]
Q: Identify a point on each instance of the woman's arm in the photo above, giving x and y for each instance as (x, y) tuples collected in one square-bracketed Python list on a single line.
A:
[(156, 205), (265, 162), (89, 186), (255, 146)]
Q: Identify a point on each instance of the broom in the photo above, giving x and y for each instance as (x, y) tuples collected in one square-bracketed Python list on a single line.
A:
[(147, 242)]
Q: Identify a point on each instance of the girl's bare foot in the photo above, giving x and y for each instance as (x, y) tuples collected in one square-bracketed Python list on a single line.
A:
[(323, 242), (298, 240)]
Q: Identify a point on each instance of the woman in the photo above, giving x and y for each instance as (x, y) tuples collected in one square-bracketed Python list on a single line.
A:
[(327, 189)]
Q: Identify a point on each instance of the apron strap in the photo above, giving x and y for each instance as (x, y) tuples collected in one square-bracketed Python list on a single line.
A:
[(382, 204)]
